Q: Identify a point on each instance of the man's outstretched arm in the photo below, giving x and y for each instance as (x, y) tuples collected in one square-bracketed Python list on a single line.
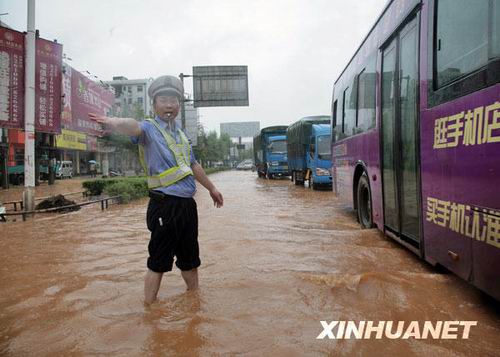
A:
[(202, 178), (125, 126)]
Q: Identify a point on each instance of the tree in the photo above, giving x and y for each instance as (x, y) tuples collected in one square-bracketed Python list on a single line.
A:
[(138, 112), (199, 150), (211, 148)]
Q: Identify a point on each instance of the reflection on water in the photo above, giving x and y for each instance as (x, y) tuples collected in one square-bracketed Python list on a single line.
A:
[(276, 260)]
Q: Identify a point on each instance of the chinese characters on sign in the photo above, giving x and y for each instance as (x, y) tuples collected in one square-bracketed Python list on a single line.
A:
[(87, 97), (66, 96), (479, 224), (48, 86), (11, 78), (473, 127), (69, 139), (47, 82)]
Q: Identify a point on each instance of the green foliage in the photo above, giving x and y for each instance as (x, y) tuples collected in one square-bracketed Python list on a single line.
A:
[(211, 148), (97, 187), (138, 112), (129, 189)]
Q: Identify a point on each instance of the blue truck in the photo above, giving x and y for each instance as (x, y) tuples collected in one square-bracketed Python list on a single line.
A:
[(270, 152), (309, 152)]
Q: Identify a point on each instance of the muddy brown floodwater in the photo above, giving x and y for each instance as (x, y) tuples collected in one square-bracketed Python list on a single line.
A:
[(276, 259)]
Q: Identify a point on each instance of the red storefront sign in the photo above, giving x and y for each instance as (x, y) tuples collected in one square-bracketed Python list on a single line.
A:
[(48, 62), (48, 73), (87, 97), (11, 78)]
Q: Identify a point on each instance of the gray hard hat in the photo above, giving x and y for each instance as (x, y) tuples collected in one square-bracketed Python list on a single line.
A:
[(166, 85)]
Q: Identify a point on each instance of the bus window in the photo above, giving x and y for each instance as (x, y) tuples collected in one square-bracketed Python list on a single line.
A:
[(496, 29), (334, 120), (339, 122), (349, 112), (366, 98), (461, 38)]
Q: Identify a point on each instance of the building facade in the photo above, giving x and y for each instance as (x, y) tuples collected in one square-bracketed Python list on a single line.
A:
[(131, 97)]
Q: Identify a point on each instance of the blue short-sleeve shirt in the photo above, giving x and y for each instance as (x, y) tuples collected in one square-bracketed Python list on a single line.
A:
[(159, 157)]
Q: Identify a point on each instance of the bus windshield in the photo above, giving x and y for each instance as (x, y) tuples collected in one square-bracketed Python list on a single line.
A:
[(324, 147), (278, 147)]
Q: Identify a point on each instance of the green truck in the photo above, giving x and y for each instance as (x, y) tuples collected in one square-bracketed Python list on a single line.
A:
[(16, 172)]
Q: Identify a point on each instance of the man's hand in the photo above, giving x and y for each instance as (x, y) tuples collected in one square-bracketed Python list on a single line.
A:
[(217, 197), (101, 119)]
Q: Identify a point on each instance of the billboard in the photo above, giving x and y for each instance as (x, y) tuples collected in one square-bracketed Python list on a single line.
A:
[(48, 61), (246, 129), (86, 97), (11, 78), (220, 86), (48, 68)]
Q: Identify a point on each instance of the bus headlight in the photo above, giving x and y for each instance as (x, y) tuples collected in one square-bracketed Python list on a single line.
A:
[(322, 172)]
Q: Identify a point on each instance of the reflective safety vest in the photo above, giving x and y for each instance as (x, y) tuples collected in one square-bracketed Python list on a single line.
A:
[(182, 154)]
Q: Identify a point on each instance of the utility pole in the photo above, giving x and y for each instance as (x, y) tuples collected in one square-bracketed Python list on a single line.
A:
[(4, 154), (183, 104), (52, 159), (29, 112)]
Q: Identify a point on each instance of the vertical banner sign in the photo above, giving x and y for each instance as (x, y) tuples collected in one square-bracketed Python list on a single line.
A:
[(48, 71), (11, 79), (66, 97), (88, 97)]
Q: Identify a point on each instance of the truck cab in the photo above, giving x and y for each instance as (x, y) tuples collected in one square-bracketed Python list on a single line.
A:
[(309, 152), (270, 152), (277, 161), (319, 156)]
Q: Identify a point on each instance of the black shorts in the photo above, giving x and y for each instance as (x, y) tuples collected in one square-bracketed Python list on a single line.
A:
[(173, 222)]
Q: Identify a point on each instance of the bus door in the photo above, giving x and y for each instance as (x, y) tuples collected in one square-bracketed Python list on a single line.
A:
[(400, 134)]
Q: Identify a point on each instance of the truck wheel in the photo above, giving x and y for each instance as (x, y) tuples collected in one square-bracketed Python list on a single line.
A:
[(364, 198)]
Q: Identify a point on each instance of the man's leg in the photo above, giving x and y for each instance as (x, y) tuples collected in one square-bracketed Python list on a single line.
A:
[(191, 278), (151, 286)]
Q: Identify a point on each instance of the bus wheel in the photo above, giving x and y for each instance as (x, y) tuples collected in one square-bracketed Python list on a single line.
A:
[(364, 202)]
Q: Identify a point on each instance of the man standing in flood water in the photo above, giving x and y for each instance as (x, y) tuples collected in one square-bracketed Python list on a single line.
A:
[(172, 169)]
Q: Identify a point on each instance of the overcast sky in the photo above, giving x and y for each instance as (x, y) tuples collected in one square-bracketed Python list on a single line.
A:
[(294, 49)]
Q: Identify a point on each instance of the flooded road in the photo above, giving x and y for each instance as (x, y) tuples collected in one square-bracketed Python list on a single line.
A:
[(276, 259)]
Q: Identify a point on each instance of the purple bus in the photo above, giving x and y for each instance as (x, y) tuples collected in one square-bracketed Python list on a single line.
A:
[(416, 133)]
